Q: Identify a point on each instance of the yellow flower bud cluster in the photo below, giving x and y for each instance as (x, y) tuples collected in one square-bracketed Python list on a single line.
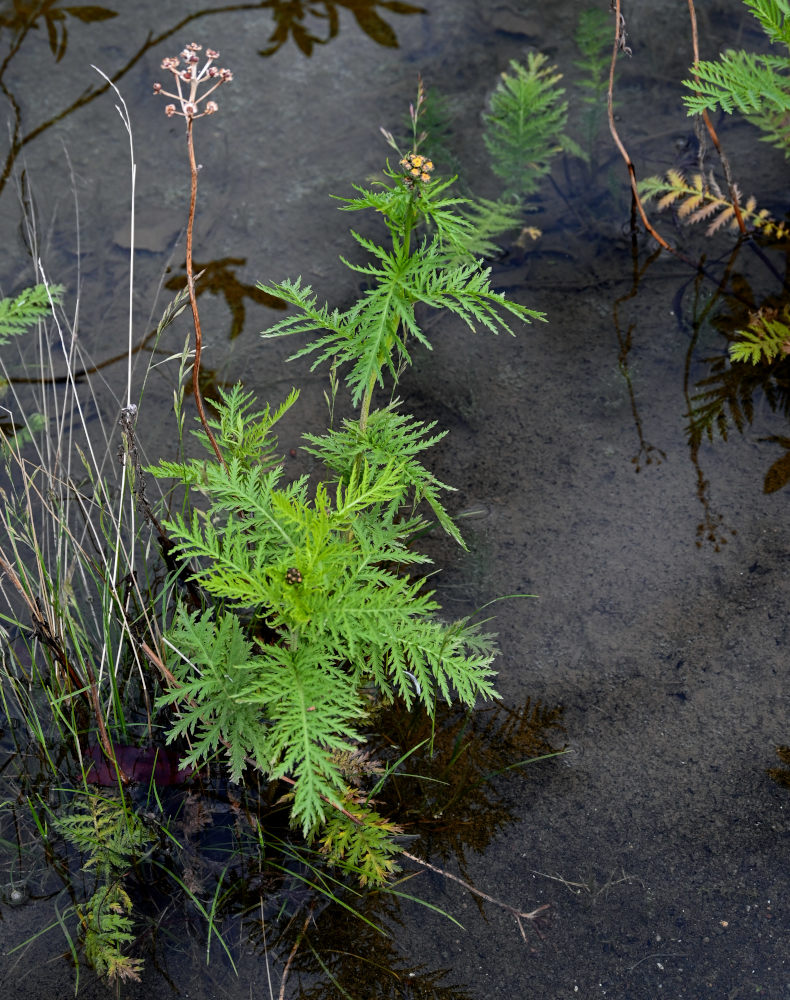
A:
[(417, 167)]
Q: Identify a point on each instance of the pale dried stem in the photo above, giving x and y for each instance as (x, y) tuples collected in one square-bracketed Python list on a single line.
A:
[(534, 915), (292, 955)]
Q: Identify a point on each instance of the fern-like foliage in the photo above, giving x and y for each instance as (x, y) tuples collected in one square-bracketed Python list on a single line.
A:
[(593, 38), (107, 928), (318, 606), (389, 438), (282, 709), (488, 220), (431, 261), (17, 315), (242, 433), (766, 338), (361, 840), (524, 127), (700, 199), (371, 336), (327, 576), (740, 81), (112, 837), (773, 16), (758, 86), (725, 397)]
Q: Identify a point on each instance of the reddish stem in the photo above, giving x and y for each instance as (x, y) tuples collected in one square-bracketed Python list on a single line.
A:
[(637, 201), (193, 299), (709, 125)]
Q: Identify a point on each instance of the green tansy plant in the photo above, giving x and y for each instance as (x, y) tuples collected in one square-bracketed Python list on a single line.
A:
[(316, 604)]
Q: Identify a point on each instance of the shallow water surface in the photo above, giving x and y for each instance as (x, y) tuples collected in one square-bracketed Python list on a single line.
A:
[(659, 560)]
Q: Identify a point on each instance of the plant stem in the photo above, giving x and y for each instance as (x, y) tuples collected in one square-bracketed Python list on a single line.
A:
[(519, 915), (193, 298), (292, 956), (725, 163), (364, 412), (619, 43), (404, 252)]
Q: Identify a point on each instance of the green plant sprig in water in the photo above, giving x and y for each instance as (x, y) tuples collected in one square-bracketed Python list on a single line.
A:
[(524, 128), (112, 836), (756, 85), (328, 578), (318, 594), (439, 271)]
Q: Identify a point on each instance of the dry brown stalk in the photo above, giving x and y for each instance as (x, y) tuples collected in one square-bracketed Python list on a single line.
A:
[(189, 107), (725, 163), (46, 634), (291, 957), (620, 46)]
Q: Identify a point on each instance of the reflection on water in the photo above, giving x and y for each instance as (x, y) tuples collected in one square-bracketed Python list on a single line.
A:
[(218, 277), (729, 393), (54, 19), (647, 453), (296, 20)]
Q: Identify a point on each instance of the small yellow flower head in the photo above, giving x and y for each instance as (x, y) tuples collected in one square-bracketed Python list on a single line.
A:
[(417, 167)]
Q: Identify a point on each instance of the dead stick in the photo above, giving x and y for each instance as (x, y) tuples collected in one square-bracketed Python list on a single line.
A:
[(616, 47), (709, 125), (291, 957), (519, 915)]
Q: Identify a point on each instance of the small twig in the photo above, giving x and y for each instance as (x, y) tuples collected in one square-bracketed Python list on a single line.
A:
[(291, 957), (725, 163), (535, 916), (659, 954)]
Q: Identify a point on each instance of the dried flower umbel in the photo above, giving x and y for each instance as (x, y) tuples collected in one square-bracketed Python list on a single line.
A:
[(193, 77), (189, 79)]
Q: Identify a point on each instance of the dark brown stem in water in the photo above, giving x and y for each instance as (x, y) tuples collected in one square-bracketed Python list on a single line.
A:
[(193, 299), (636, 200), (709, 125)]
